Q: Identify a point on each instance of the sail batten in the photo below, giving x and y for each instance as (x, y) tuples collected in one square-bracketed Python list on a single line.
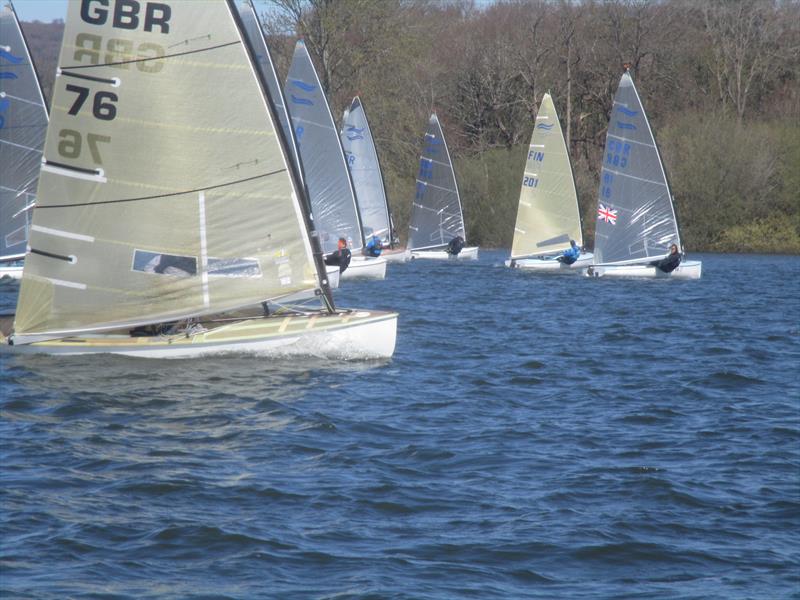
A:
[(547, 213), (222, 227), (436, 213), (636, 220)]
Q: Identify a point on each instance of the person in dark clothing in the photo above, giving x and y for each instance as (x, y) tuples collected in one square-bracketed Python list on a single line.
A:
[(570, 255), (341, 257), (671, 262), (455, 246), (374, 246)]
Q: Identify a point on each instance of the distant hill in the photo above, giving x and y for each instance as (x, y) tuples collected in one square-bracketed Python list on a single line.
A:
[(44, 42)]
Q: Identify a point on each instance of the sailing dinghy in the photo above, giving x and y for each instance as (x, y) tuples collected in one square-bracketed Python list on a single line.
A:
[(266, 67), (333, 200), (365, 172), (168, 209), (548, 218), (436, 215), (636, 221), (23, 124)]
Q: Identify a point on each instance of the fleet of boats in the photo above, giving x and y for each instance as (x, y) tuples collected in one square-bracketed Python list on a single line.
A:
[(183, 202)]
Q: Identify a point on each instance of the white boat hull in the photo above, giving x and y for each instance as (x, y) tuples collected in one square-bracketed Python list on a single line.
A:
[(551, 265), (469, 253), (365, 267), (10, 271), (345, 335), (399, 255), (689, 269)]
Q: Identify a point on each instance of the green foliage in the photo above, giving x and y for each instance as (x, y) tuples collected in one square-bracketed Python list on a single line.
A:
[(734, 184), (489, 184)]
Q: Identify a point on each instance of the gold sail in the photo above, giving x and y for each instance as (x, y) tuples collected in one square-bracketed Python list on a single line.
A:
[(547, 216), (165, 191)]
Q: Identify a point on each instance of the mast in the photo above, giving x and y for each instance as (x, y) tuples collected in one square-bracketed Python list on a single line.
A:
[(252, 34)]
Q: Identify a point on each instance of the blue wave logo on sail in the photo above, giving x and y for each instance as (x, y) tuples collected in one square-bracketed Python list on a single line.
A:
[(622, 125), (303, 101), (14, 60), (4, 104), (354, 133), (545, 126), (627, 111), (7, 75), (306, 87)]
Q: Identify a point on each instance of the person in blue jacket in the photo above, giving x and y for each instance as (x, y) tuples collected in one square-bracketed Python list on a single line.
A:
[(374, 246), (570, 255)]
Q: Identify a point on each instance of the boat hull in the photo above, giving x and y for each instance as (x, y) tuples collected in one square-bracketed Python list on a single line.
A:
[(469, 253), (551, 265), (399, 255), (689, 269), (365, 267), (353, 334), (11, 269)]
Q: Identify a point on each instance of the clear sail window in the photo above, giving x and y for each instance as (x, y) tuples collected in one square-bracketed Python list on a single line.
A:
[(233, 267), (164, 264)]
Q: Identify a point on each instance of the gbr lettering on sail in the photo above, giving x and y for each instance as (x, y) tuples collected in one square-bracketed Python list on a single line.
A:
[(92, 49)]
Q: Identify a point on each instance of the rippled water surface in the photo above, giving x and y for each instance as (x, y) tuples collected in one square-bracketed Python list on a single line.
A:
[(534, 436)]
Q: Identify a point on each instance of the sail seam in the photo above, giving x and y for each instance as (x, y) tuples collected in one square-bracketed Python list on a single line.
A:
[(156, 197), (149, 58)]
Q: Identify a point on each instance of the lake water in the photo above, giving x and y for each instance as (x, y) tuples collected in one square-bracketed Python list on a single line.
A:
[(533, 436)]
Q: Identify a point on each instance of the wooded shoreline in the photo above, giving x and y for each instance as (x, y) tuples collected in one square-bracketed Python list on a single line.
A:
[(720, 81)]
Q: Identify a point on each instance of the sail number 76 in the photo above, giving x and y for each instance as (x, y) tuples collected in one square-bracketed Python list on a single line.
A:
[(103, 107)]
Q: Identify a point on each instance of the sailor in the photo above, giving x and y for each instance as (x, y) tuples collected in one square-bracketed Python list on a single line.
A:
[(341, 257), (570, 255), (455, 246), (374, 246), (671, 262)]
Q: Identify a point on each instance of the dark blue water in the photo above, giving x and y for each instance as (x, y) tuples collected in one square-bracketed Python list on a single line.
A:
[(533, 437)]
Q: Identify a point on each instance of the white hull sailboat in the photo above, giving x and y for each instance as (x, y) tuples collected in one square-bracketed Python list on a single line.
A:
[(365, 267), (688, 269), (322, 159), (436, 214), (636, 221), (347, 335), (548, 218), (108, 270), (396, 255), (470, 253), (367, 177), (551, 265), (23, 124)]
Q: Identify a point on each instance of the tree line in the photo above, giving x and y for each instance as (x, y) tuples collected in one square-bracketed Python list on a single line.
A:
[(719, 80)]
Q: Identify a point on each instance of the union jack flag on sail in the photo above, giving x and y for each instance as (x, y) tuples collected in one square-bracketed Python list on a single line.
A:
[(609, 215)]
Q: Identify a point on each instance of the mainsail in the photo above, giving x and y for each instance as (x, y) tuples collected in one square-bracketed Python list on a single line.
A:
[(23, 125), (436, 215), (165, 191), (547, 216), (635, 216), (365, 170), (263, 58), (333, 201)]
